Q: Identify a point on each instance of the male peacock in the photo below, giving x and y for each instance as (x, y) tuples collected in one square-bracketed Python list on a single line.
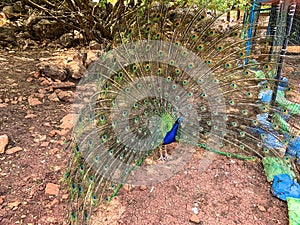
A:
[(175, 73)]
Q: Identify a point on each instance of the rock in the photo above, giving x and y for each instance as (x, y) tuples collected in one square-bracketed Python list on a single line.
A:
[(92, 57), (18, 6), (7, 36), (65, 95), (52, 189), (8, 11), (195, 219), (52, 133), (3, 105), (66, 40), (261, 208), (13, 205), (46, 29), (20, 99), (39, 138), (33, 101), (47, 124), (195, 210), (1, 200), (94, 45), (45, 144), (66, 84), (127, 187), (143, 187), (67, 122), (53, 71), (36, 75), (53, 97), (64, 196), (53, 203), (3, 143), (63, 132), (76, 70), (53, 151), (3, 19), (13, 150), (76, 66), (45, 82), (30, 116)]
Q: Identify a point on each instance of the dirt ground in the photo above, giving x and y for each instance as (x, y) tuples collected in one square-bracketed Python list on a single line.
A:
[(229, 191)]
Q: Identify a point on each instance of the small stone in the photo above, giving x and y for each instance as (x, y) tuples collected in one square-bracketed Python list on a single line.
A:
[(46, 82), (56, 168), (3, 105), (53, 97), (53, 71), (143, 187), (1, 200), (175, 187), (30, 116), (76, 68), (29, 79), (63, 132), (33, 101), (52, 189), (261, 208), (195, 219), (47, 124), (13, 205), (36, 74), (45, 144), (3, 143), (53, 151), (195, 210), (52, 133), (13, 150), (65, 95), (67, 122), (54, 202), (127, 187), (40, 138), (64, 196)]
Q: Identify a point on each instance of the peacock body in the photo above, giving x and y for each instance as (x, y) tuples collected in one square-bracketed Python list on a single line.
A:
[(174, 73)]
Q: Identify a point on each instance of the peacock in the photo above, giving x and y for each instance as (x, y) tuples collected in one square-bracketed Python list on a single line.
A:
[(176, 72)]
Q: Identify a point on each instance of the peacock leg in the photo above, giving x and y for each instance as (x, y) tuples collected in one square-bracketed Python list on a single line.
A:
[(163, 153)]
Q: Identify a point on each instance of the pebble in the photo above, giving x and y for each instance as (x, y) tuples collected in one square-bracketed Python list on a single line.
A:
[(30, 116), (127, 187), (261, 208), (33, 101), (13, 205), (53, 203), (3, 143), (53, 151), (195, 219), (143, 187), (52, 189), (64, 196), (13, 150)]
